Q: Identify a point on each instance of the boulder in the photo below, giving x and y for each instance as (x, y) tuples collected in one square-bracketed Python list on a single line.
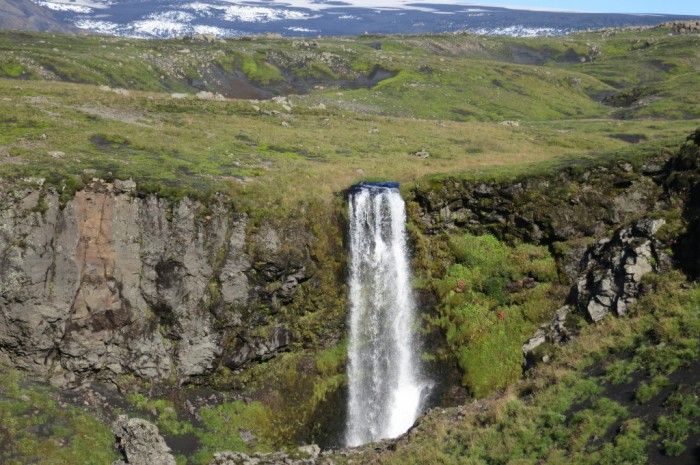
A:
[(204, 95), (128, 185), (535, 341), (140, 443), (510, 123), (555, 331), (612, 270), (422, 153), (311, 450), (204, 38)]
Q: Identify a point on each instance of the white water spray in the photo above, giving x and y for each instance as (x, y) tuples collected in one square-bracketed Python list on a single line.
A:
[(385, 386)]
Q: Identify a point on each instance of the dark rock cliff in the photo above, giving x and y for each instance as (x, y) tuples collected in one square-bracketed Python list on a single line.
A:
[(114, 285), (577, 202)]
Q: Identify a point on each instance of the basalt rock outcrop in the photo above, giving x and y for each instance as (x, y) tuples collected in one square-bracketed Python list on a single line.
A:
[(140, 443), (114, 284), (610, 279), (682, 27), (612, 269), (568, 210)]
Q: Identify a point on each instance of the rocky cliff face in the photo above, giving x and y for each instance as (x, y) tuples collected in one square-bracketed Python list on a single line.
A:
[(112, 284), (606, 225), (577, 202)]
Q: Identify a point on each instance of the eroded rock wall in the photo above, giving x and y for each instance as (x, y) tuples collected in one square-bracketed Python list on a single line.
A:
[(113, 284)]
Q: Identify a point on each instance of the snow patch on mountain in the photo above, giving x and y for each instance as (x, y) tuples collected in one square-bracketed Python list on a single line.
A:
[(66, 7), (259, 14), (203, 9), (161, 25), (213, 30), (75, 6), (419, 5), (300, 29), (98, 26), (158, 28), (520, 31), (225, 18)]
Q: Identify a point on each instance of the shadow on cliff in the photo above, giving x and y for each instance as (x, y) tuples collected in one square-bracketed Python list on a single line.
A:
[(684, 182)]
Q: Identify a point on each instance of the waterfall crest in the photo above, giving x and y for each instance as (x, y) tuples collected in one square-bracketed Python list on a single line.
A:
[(385, 386)]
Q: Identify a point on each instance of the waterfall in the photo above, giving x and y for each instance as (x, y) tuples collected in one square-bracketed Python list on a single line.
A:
[(385, 386)]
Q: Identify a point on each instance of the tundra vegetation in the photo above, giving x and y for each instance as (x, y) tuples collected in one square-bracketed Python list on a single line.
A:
[(281, 127)]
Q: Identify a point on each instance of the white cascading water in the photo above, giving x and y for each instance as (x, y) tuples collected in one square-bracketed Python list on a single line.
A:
[(385, 385)]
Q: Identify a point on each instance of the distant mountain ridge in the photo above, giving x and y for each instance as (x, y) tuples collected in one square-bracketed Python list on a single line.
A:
[(305, 18), (27, 16)]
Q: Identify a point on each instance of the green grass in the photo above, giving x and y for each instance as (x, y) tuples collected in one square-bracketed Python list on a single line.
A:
[(493, 298), (468, 90), (286, 397), (620, 372), (190, 146), (166, 418), (675, 428), (297, 387), (36, 428), (222, 426), (12, 69), (646, 391), (256, 69)]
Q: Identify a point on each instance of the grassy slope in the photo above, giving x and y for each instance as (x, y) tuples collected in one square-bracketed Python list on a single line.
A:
[(205, 145), (446, 96)]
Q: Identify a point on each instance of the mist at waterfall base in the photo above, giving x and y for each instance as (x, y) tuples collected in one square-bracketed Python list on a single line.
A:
[(386, 387)]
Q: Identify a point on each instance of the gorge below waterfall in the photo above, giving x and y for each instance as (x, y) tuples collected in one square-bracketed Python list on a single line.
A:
[(385, 383)]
